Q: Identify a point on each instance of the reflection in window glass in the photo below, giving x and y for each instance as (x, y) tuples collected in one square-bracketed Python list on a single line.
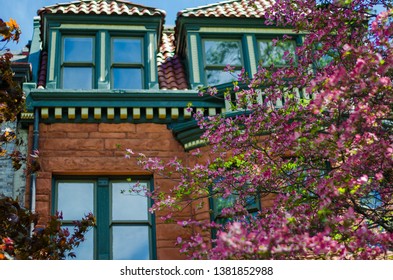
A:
[(223, 52), (126, 50), (219, 54), (127, 78), (78, 49), (75, 199), (129, 205), (219, 203), (372, 201), (271, 54), (85, 250), (130, 243), (123, 228), (215, 77), (77, 77)]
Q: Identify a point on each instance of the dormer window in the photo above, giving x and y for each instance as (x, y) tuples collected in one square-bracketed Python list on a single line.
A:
[(277, 54), (78, 68), (78, 63), (127, 63), (112, 47), (218, 54)]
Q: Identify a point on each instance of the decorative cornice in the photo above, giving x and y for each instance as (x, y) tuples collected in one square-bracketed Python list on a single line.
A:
[(113, 106)]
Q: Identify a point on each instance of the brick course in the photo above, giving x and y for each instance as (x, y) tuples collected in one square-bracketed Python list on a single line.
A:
[(97, 149)]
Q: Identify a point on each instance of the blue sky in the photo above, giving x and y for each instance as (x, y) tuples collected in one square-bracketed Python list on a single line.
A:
[(23, 11)]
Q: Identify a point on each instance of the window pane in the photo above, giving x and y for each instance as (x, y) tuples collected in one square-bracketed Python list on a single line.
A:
[(75, 199), (223, 52), (127, 50), (85, 251), (129, 205), (77, 77), (127, 78), (221, 203), (270, 54), (130, 243), (372, 201), (216, 77), (78, 49)]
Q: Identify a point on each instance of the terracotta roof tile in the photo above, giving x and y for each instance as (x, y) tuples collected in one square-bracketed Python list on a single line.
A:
[(171, 73), (108, 7), (228, 9), (43, 67)]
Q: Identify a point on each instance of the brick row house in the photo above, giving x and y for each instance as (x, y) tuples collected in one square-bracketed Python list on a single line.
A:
[(109, 75)]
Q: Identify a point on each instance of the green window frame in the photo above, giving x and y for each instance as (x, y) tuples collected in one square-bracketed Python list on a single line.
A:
[(216, 58), (271, 53), (78, 62), (219, 203), (127, 66), (85, 65), (125, 228)]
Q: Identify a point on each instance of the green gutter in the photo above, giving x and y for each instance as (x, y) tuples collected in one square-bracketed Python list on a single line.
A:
[(100, 98)]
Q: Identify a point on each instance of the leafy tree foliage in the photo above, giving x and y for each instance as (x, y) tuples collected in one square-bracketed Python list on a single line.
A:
[(11, 95), (17, 239), (51, 242), (315, 137)]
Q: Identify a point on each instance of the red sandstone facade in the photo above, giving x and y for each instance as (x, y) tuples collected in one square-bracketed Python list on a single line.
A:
[(81, 129)]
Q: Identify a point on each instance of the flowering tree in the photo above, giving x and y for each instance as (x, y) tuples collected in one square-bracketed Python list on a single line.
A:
[(21, 237), (316, 137)]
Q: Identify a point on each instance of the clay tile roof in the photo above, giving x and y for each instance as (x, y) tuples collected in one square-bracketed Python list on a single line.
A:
[(43, 67), (228, 9), (108, 7), (171, 74)]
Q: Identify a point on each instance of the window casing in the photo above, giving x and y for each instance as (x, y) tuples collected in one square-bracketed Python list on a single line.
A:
[(218, 204), (124, 227), (218, 54), (277, 54), (81, 59), (78, 62), (126, 63)]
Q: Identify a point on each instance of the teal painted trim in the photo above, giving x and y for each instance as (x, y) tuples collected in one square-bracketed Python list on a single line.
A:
[(153, 232), (103, 212), (192, 24), (53, 196), (246, 55), (103, 99), (196, 22), (147, 21), (195, 136), (103, 62), (186, 132), (190, 131), (35, 50), (150, 69), (102, 206), (52, 72), (196, 78), (178, 128), (144, 28), (223, 36), (104, 119)]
